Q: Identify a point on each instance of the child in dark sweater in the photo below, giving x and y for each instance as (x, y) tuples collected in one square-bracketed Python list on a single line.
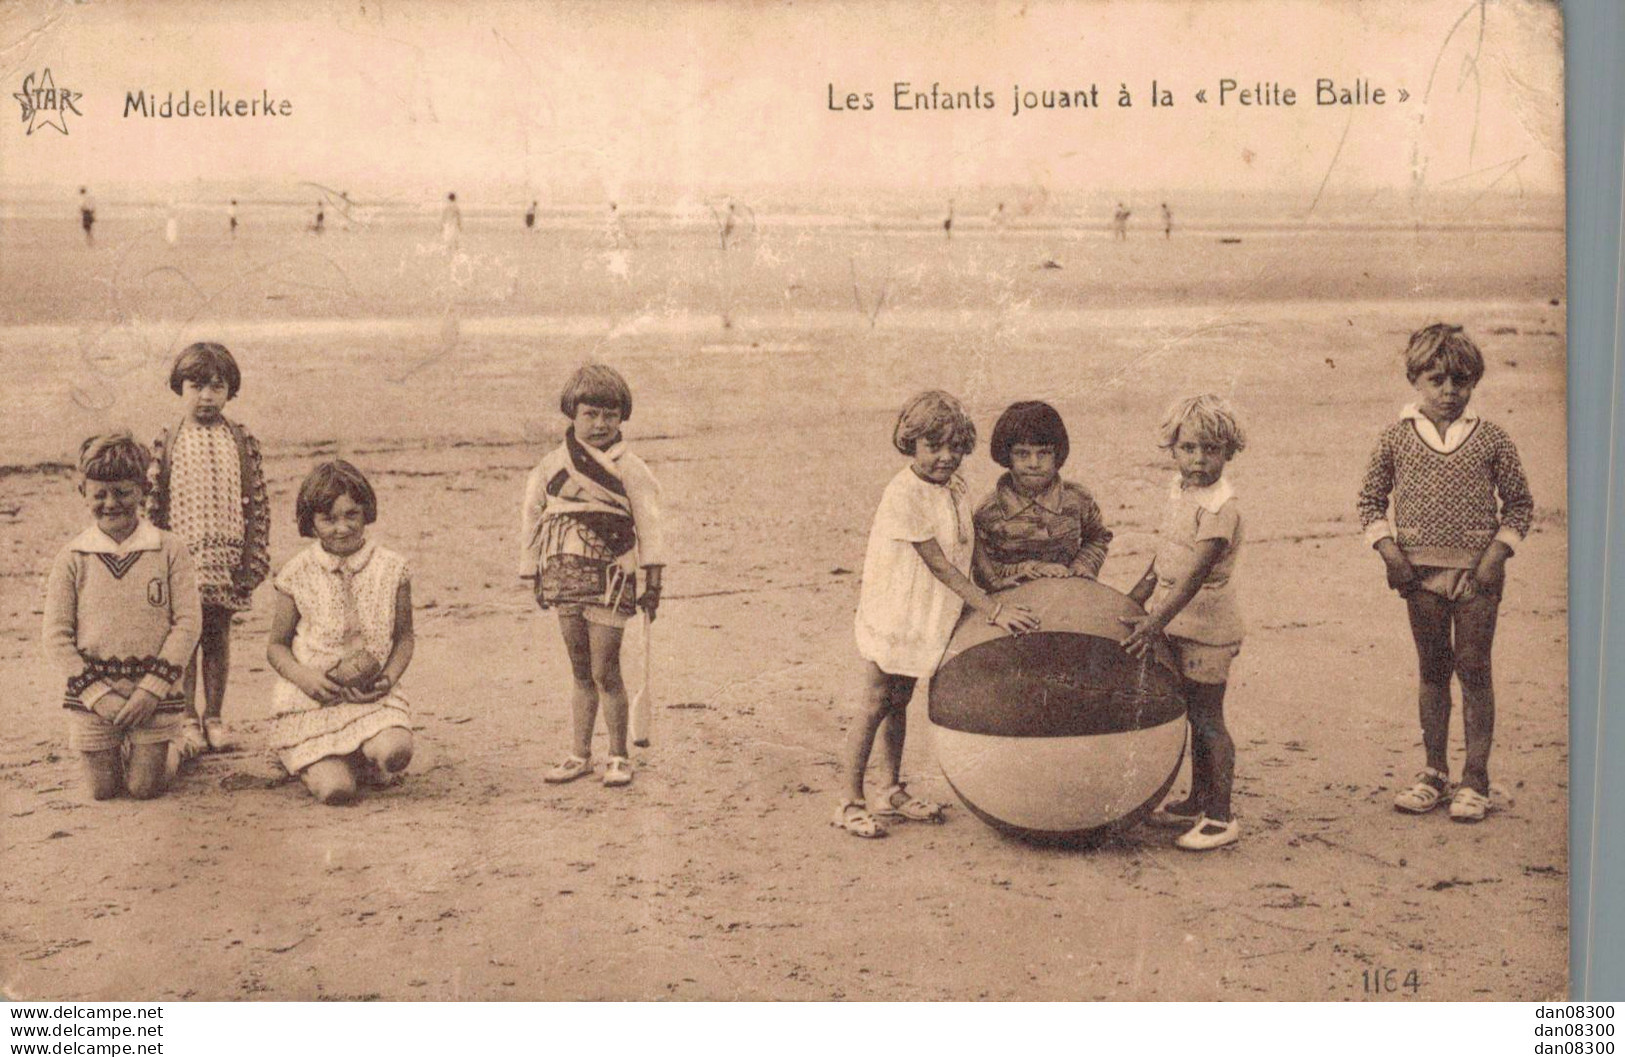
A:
[(1429, 507)]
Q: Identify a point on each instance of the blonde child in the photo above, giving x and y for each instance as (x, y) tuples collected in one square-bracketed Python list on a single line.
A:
[(1034, 524), (1188, 594), (121, 618), (590, 521), (915, 585), (341, 638), (208, 487), (1445, 543)]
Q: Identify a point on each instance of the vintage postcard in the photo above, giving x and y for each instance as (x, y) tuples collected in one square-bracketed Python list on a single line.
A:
[(915, 500)]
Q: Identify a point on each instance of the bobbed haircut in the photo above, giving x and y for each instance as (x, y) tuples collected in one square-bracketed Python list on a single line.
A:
[(1447, 346), (203, 361), (599, 385), (114, 456), (1211, 415), (1029, 422), (938, 417), (322, 488)]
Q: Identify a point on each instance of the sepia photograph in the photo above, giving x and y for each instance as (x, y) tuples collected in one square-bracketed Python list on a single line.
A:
[(925, 500)]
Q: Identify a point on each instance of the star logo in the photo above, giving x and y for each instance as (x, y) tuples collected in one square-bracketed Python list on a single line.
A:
[(44, 104)]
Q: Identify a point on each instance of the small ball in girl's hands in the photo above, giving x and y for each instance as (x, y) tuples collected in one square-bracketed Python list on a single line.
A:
[(358, 669)]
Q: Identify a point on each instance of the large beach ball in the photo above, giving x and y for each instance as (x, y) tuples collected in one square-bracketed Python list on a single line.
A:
[(1058, 735)]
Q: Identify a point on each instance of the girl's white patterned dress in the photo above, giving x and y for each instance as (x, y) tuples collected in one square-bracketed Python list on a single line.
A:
[(342, 602), (206, 508)]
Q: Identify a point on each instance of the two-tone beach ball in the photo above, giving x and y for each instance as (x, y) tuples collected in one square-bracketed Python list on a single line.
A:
[(1058, 735)]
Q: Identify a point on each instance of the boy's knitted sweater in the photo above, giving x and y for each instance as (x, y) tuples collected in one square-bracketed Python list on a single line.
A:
[(1444, 490), (121, 615)]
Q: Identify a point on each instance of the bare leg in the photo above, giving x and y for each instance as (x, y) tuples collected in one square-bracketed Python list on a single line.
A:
[(874, 705), (605, 644), (389, 750), (899, 689), (104, 773), (1218, 751), (583, 691), (1200, 771), (146, 778), (214, 652), (330, 780), (1475, 636), (1430, 627)]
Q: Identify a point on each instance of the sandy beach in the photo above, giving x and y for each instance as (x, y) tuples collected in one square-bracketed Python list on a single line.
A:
[(766, 380)]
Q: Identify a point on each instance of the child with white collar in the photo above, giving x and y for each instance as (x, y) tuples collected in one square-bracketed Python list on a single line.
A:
[(1445, 545), (121, 620), (1188, 594)]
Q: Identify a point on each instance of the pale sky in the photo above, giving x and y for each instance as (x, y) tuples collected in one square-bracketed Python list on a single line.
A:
[(400, 97)]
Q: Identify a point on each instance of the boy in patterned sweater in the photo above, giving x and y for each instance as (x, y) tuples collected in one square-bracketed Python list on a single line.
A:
[(1429, 507), (121, 619)]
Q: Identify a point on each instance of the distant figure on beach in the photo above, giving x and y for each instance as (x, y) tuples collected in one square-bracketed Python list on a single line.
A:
[(451, 222), (1120, 223), (998, 218), (172, 224), (530, 216), (345, 205), (320, 223), (948, 223), (619, 236), (1167, 221), (728, 224), (231, 217), (729, 220), (87, 215)]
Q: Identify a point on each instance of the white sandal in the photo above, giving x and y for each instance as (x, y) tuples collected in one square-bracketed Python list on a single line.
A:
[(898, 803), (1425, 795), (1469, 805), (1208, 834), (572, 768), (618, 771)]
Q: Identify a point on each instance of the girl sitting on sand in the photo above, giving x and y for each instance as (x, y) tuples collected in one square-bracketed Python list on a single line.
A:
[(591, 520), (340, 639), (208, 487), (1036, 525), (914, 588), (1188, 594)]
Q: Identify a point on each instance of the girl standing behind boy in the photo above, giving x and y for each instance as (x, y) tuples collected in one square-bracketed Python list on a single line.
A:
[(1188, 594), (1036, 525), (208, 487), (121, 618), (914, 588), (590, 521), (341, 638), (1446, 545)]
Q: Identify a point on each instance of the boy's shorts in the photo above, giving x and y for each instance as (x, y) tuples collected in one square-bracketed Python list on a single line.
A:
[(1452, 585), (592, 614), (1201, 663), (88, 732)]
